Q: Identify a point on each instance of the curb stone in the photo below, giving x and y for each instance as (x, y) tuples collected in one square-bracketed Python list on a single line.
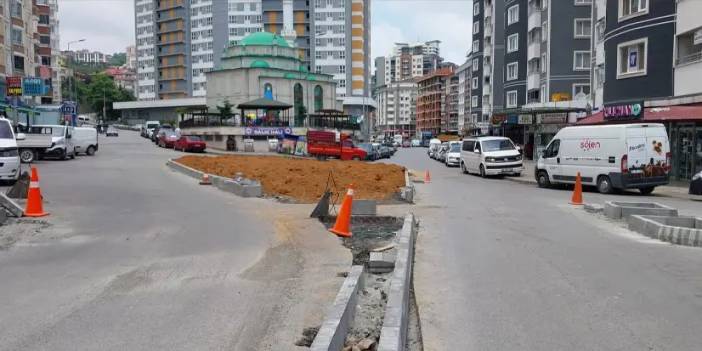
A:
[(241, 187)]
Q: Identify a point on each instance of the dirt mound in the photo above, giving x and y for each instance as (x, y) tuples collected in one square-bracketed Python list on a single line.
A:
[(305, 179)]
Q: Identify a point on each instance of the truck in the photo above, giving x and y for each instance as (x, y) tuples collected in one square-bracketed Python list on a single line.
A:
[(45, 140), (332, 144)]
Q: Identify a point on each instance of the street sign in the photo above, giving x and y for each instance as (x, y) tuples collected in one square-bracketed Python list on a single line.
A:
[(32, 86), (14, 86)]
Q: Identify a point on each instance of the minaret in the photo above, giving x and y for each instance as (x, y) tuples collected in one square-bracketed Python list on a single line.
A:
[(288, 31)]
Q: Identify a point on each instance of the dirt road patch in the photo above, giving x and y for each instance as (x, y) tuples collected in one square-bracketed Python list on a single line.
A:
[(305, 180)]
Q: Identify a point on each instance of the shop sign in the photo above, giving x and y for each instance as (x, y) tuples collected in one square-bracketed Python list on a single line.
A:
[(556, 97), (497, 119), (553, 118), (266, 131), (623, 112), (14, 86), (512, 119), (32, 86), (525, 119)]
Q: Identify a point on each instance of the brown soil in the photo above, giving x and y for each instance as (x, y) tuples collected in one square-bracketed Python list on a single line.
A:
[(305, 180)]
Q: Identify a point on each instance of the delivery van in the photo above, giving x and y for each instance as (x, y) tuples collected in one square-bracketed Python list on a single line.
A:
[(623, 156), (434, 145), (489, 156), (85, 140)]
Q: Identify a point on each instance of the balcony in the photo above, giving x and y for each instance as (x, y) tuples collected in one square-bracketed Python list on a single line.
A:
[(534, 50), (487, 109), (487, 70), (487, 47), (487, 89), (533, 81), (534, 19), (487, 30), (687, 74), (487, 9)]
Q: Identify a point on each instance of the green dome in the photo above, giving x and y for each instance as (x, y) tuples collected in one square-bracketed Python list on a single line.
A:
[(311, 77), (303, 69), (259, 64), (264, 38)]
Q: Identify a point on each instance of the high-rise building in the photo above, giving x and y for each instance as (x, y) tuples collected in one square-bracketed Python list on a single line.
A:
[(463, 73), (488, 57), (178, 41), (130, 55), (397, 112), (88, 57), (55, 51), (408, 61), (433, 102)]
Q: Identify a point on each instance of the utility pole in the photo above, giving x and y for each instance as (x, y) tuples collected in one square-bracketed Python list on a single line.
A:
[(104, 108), (71, 85)]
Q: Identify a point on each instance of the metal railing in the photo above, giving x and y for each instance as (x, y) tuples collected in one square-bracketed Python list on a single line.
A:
[(199, 120), (696, 57)]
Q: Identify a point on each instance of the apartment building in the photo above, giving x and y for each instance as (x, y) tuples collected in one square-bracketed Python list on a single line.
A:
[(488, 55), (88, 57), (409, 61), (688, 48), (55, 38), (178, 41), (131, 57), (397, 111), (433, 102)]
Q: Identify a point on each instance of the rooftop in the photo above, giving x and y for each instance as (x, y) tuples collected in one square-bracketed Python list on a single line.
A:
[(264, 38)]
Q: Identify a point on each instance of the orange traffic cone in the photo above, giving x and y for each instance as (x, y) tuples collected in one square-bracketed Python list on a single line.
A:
[(34, 206), (205, 179), (427, 177), (342, 227), (577, 198)]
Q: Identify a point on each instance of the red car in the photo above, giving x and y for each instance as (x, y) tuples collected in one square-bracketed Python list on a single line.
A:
[(167, 139), (190, 143)]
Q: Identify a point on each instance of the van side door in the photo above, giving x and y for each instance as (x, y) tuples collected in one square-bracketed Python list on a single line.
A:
[(467, 152), (552, 159), (477, 154)]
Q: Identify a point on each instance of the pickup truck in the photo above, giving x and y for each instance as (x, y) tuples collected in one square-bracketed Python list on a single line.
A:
[(329, 144), (32, 146)]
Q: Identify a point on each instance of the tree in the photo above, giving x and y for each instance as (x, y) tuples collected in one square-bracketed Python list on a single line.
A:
[(225, 110), (118, 59), (95, 90)]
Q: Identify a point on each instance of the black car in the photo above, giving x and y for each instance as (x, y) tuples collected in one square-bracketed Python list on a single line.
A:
[(371, 153)]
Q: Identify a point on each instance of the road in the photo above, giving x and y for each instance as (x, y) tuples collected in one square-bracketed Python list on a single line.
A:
[(508, 266), (138, 257)]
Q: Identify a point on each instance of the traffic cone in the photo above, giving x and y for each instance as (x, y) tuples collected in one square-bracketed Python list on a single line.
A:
[(577, 198), (205, 179), (427, 177), (342, 227), (34, 206)]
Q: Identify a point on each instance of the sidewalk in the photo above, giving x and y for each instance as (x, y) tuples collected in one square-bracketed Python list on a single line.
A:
[(676, 190)]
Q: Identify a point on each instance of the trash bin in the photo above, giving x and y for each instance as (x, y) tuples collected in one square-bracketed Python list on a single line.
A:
[(248, 145), (696, 184)]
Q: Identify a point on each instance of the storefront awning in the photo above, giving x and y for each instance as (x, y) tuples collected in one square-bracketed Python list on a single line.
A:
[(652, 114)]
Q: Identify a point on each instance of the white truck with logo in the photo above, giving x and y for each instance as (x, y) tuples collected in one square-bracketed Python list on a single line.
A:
[(621, 156)]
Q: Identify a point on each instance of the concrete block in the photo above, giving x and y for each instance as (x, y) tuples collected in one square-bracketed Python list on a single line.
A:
[(364, 208), (339, 317), (11, 206), (594, 208), (241, 187), (381, 262), (618, 209), (407, 194), (676, 230)]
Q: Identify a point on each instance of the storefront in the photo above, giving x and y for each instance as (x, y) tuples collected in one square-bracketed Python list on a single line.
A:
[(684, 126)]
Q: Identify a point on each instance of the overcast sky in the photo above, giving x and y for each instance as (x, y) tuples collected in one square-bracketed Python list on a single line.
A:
[(108, 25)]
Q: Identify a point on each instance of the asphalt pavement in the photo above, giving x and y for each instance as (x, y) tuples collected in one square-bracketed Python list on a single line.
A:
[(137, 257), (502, 265)]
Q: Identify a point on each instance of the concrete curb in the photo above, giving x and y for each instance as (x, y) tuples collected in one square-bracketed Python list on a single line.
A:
[(652, 227), (241, 187), (332, 334), (393, 334), (14, 208), (621, 209)]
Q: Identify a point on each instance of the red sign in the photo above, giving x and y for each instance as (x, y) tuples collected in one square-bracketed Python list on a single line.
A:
[(14, 86)]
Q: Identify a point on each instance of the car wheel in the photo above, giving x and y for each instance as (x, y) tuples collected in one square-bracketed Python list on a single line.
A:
[(647, 190), (90, 151), (604, 185), (27, 156), (463, 168), (482, 171), (542, 180)]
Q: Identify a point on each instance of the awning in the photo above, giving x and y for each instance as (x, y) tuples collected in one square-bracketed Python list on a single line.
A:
[(263, 104), (653, 114)]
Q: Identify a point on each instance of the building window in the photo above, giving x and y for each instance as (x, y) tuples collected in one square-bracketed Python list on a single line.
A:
[(16, 36), (513, 15), (583, 28), (632, 58), (18, 62), (474, 101), (513, 42), (476, 64), (476, 8), (474, 83), (583, 2), (581, 61), (318, 98), (342, 69), (44, 19), (632, 8), (476, 27), (512, 99), (476, 45), (512, 71), (581, 91)]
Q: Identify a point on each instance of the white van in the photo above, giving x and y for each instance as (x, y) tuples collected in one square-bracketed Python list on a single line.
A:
[(62, 141), (9, 155), (623, 156), (453, 154), (85, 140), (434, 145), (149, 127), (490, 156)]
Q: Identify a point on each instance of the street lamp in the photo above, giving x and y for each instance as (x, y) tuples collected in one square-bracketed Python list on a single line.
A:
[(71, 86)]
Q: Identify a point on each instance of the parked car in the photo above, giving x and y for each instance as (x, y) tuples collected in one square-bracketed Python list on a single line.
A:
[(190, 143), (111, 131), (453, 154), (149, 127), (406, 143), (385, 152), (441, 154), (416, 143), (622, 156), (696, 185), (433, 150), (490, 156), (167, 138), (9, 156), (85, 139), (161, 130), (372, 153)]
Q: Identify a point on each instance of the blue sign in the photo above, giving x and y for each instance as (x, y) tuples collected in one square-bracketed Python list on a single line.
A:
[(634, 59), (266, 131), (33, 86)]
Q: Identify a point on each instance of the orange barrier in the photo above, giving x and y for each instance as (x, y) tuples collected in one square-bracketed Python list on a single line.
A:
[(427, 177), (577, 198), (342, 227), (34, 207), (205, 179)]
